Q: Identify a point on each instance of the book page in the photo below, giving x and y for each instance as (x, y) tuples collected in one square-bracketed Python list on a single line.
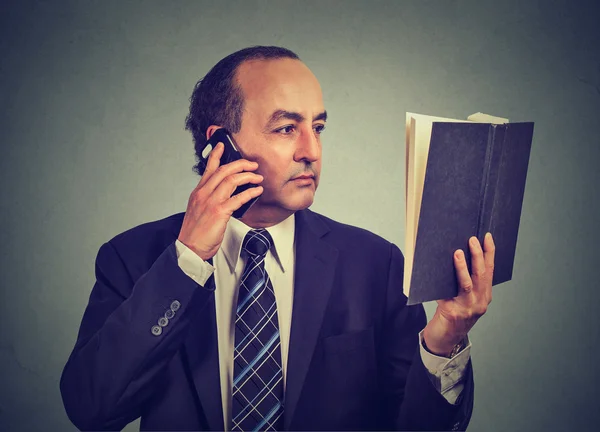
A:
[(410, 202), (486, 118), (407, 158)]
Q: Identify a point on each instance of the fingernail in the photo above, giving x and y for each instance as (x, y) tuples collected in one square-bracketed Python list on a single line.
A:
[(473, 241), (458, 254)]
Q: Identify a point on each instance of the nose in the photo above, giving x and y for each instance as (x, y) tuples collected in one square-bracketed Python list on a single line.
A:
[(308, 146)]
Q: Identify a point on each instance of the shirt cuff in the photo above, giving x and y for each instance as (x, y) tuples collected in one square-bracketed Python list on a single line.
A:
[(446, 374), (192, 265)]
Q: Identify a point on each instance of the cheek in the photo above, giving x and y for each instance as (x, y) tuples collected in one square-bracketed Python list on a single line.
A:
[(275, 168), (274, 176)]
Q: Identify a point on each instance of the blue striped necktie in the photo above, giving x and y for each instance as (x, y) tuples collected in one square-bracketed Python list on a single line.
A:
[(257, 397)]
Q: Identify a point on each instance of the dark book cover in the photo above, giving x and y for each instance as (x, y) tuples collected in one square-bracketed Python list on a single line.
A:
[(474, 183)]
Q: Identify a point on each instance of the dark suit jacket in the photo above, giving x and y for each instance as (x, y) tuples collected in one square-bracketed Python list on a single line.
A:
[(353, 357)]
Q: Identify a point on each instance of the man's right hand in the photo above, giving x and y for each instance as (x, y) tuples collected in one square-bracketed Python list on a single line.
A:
[(211, 205)]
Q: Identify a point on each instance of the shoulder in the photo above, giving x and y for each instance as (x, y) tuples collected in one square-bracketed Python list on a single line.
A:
[(158, 230), (364, 260), (344, 236), (145, 242)]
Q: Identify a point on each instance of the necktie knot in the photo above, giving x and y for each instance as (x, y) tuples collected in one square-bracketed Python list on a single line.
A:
[(257, 242)]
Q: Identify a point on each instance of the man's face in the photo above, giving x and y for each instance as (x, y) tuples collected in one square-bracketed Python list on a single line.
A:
[(281, 125)]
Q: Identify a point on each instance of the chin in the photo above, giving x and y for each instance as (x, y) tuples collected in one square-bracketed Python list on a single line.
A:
[(298, 201), (301, 205), (290, 199)]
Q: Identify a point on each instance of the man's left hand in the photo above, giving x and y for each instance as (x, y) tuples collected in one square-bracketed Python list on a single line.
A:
[(454, 317)]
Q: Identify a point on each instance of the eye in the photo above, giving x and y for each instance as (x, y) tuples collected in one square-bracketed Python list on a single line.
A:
[(286, 130), (319, 128)]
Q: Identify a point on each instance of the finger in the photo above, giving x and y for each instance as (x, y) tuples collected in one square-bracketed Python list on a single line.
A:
[(489, 256), (490, 252), (229, 184), (213, 162), (236, 201), (227, 170), (465, 284), (477, 261)]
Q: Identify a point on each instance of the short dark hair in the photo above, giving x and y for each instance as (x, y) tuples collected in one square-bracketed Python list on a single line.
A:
[(218, 99)]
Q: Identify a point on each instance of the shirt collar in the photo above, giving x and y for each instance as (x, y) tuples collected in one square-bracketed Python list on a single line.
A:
[(283, 241)]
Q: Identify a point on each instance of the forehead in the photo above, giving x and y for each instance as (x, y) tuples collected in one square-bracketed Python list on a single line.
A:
[(282, 84)]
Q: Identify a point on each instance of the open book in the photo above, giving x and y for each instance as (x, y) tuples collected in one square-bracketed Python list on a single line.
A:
[(463, 179)]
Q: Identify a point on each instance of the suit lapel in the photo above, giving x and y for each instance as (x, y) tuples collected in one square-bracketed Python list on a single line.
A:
[(201, 354), (313, 280)]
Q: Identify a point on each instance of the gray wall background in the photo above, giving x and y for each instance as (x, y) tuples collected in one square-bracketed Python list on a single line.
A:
[(94, 95)]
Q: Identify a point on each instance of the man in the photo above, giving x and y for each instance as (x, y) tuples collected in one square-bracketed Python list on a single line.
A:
[(283, 319)]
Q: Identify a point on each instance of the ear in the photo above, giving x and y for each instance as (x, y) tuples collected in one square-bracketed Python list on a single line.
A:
[(211, 130)]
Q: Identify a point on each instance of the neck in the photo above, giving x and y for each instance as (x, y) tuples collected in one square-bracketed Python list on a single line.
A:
[(265, 216)]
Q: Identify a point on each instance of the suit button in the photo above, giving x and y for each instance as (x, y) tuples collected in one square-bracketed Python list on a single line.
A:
[(156, 330), (169, 314), (162, 321), (175, 306)]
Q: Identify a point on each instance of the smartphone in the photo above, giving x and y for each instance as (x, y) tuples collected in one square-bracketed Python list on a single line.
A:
[(230, 154)]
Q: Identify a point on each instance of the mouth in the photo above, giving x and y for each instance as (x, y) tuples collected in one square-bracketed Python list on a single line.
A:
[(304, 177)]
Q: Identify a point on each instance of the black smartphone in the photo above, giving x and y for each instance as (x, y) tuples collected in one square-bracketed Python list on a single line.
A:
[(230, 154)]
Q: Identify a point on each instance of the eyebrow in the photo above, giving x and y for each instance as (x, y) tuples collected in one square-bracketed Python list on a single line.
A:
[(291, 115)]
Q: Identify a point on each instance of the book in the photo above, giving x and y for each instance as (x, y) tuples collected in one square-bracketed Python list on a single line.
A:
[(463, 178)]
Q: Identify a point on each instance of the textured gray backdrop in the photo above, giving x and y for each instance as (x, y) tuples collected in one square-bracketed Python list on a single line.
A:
[(94, 96)]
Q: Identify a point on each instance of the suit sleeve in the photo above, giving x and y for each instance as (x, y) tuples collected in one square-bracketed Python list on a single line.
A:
[(410, 399), (122, 348)]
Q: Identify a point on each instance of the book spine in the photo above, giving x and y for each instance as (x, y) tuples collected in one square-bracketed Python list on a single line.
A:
[(509, 185), (493, 161)]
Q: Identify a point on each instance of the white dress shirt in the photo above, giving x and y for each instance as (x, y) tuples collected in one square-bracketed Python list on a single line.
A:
[(228, 265)]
